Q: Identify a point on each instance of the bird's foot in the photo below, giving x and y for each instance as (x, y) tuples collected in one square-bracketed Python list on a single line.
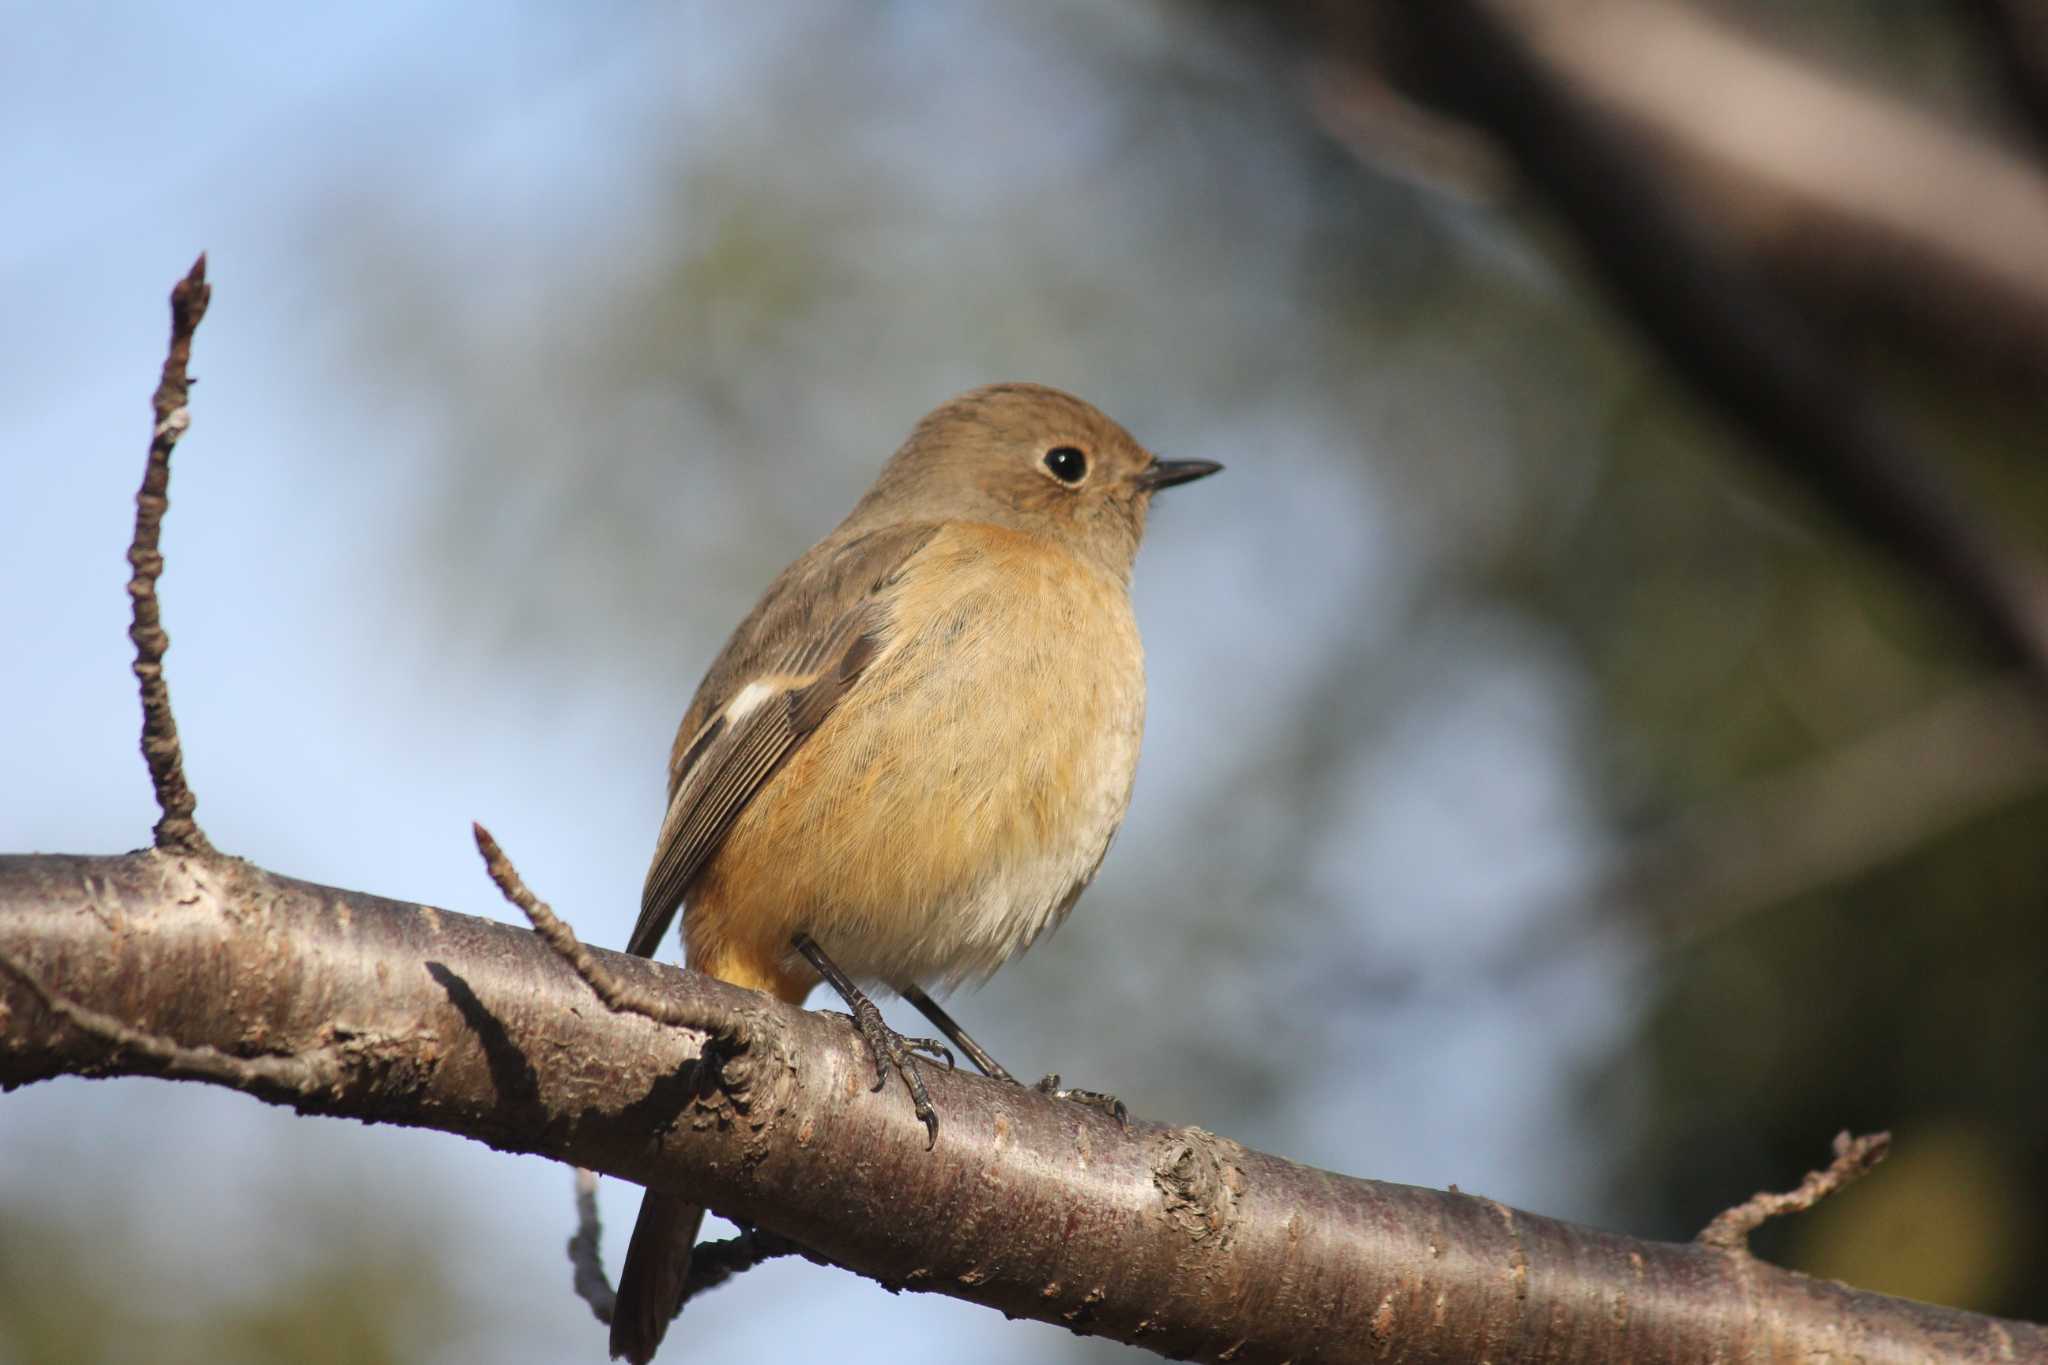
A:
[(892, 1049), (1093, 1099), (887, 1046)]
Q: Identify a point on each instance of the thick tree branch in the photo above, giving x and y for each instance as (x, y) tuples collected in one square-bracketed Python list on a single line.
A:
[(1170, 1238)]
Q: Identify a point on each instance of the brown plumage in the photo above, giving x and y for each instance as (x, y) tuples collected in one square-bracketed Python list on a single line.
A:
[(917, 747)]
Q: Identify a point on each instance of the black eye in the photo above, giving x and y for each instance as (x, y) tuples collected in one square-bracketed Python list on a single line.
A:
[(1067, 464)]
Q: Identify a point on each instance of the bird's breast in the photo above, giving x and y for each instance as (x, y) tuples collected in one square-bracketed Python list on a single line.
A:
[(957, 801)]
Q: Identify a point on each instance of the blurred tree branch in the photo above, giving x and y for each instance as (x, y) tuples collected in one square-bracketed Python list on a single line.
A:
[(1823, 822), (2018, 31), (1532, 81), (1170, 1238), (1844, 197)]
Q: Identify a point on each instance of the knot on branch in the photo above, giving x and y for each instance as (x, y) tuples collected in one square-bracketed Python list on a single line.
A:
[(737, 1081), (1199, 1182)]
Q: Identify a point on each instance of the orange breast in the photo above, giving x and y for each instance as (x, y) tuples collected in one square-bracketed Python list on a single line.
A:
[(955, 801)]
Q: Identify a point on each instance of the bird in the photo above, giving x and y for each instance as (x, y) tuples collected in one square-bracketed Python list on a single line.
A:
[(910, 758)]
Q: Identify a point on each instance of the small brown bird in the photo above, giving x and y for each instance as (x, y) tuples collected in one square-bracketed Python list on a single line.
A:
[(910, 758)]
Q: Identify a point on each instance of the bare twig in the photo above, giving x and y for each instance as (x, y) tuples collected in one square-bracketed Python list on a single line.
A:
[(1722, 329), (1854, 1158), (616, 994), (177, 831), (711, 1263), (593, 1286)]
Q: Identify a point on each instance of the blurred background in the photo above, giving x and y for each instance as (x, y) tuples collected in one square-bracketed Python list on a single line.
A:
[(1538, 796)]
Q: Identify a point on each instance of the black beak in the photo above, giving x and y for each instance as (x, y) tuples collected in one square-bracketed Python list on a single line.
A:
[(1166, 473)]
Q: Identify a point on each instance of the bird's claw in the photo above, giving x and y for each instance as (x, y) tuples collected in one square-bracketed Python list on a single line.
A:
[(1093, 1099), (891, 1049), (931, 1048)]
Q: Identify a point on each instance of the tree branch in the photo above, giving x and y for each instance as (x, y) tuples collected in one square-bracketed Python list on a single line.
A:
[(1722, 329), (1168, 1238), (1818, 823), (1925, 226), (586, 1252), (2018, 33), (1926, 229), (711, 1263), (1855, 1157), (562, 940), (177, 830)]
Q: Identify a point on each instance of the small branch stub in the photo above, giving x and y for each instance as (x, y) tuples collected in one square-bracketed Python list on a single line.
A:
[(616, 994), (176, 831), (1854, 1158)]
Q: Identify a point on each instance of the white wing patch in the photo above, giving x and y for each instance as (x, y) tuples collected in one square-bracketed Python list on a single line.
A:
[(747, 698)]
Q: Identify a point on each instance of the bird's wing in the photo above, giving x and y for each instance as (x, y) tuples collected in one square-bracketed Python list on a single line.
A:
[(782, 673)]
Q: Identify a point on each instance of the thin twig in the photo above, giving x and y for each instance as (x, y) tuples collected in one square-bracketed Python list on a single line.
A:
[(711, 1263), (177, 831), (593, 1286), (301, 1073), (1854, 1158), (616, 994)]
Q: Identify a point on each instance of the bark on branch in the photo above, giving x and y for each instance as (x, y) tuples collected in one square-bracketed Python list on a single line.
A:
[(337, 1002)]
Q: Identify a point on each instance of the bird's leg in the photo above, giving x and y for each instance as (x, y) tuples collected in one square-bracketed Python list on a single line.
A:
[(948, 1025), (994, 1070), (886, 1045)]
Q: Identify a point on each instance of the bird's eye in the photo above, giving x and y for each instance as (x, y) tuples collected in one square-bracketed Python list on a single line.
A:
[(1067, 464)]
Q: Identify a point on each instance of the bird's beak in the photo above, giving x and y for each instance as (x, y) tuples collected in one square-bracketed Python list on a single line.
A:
[(1166, 473)]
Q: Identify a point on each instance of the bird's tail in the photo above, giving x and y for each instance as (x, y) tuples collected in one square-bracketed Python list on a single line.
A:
[(657, 1266)]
